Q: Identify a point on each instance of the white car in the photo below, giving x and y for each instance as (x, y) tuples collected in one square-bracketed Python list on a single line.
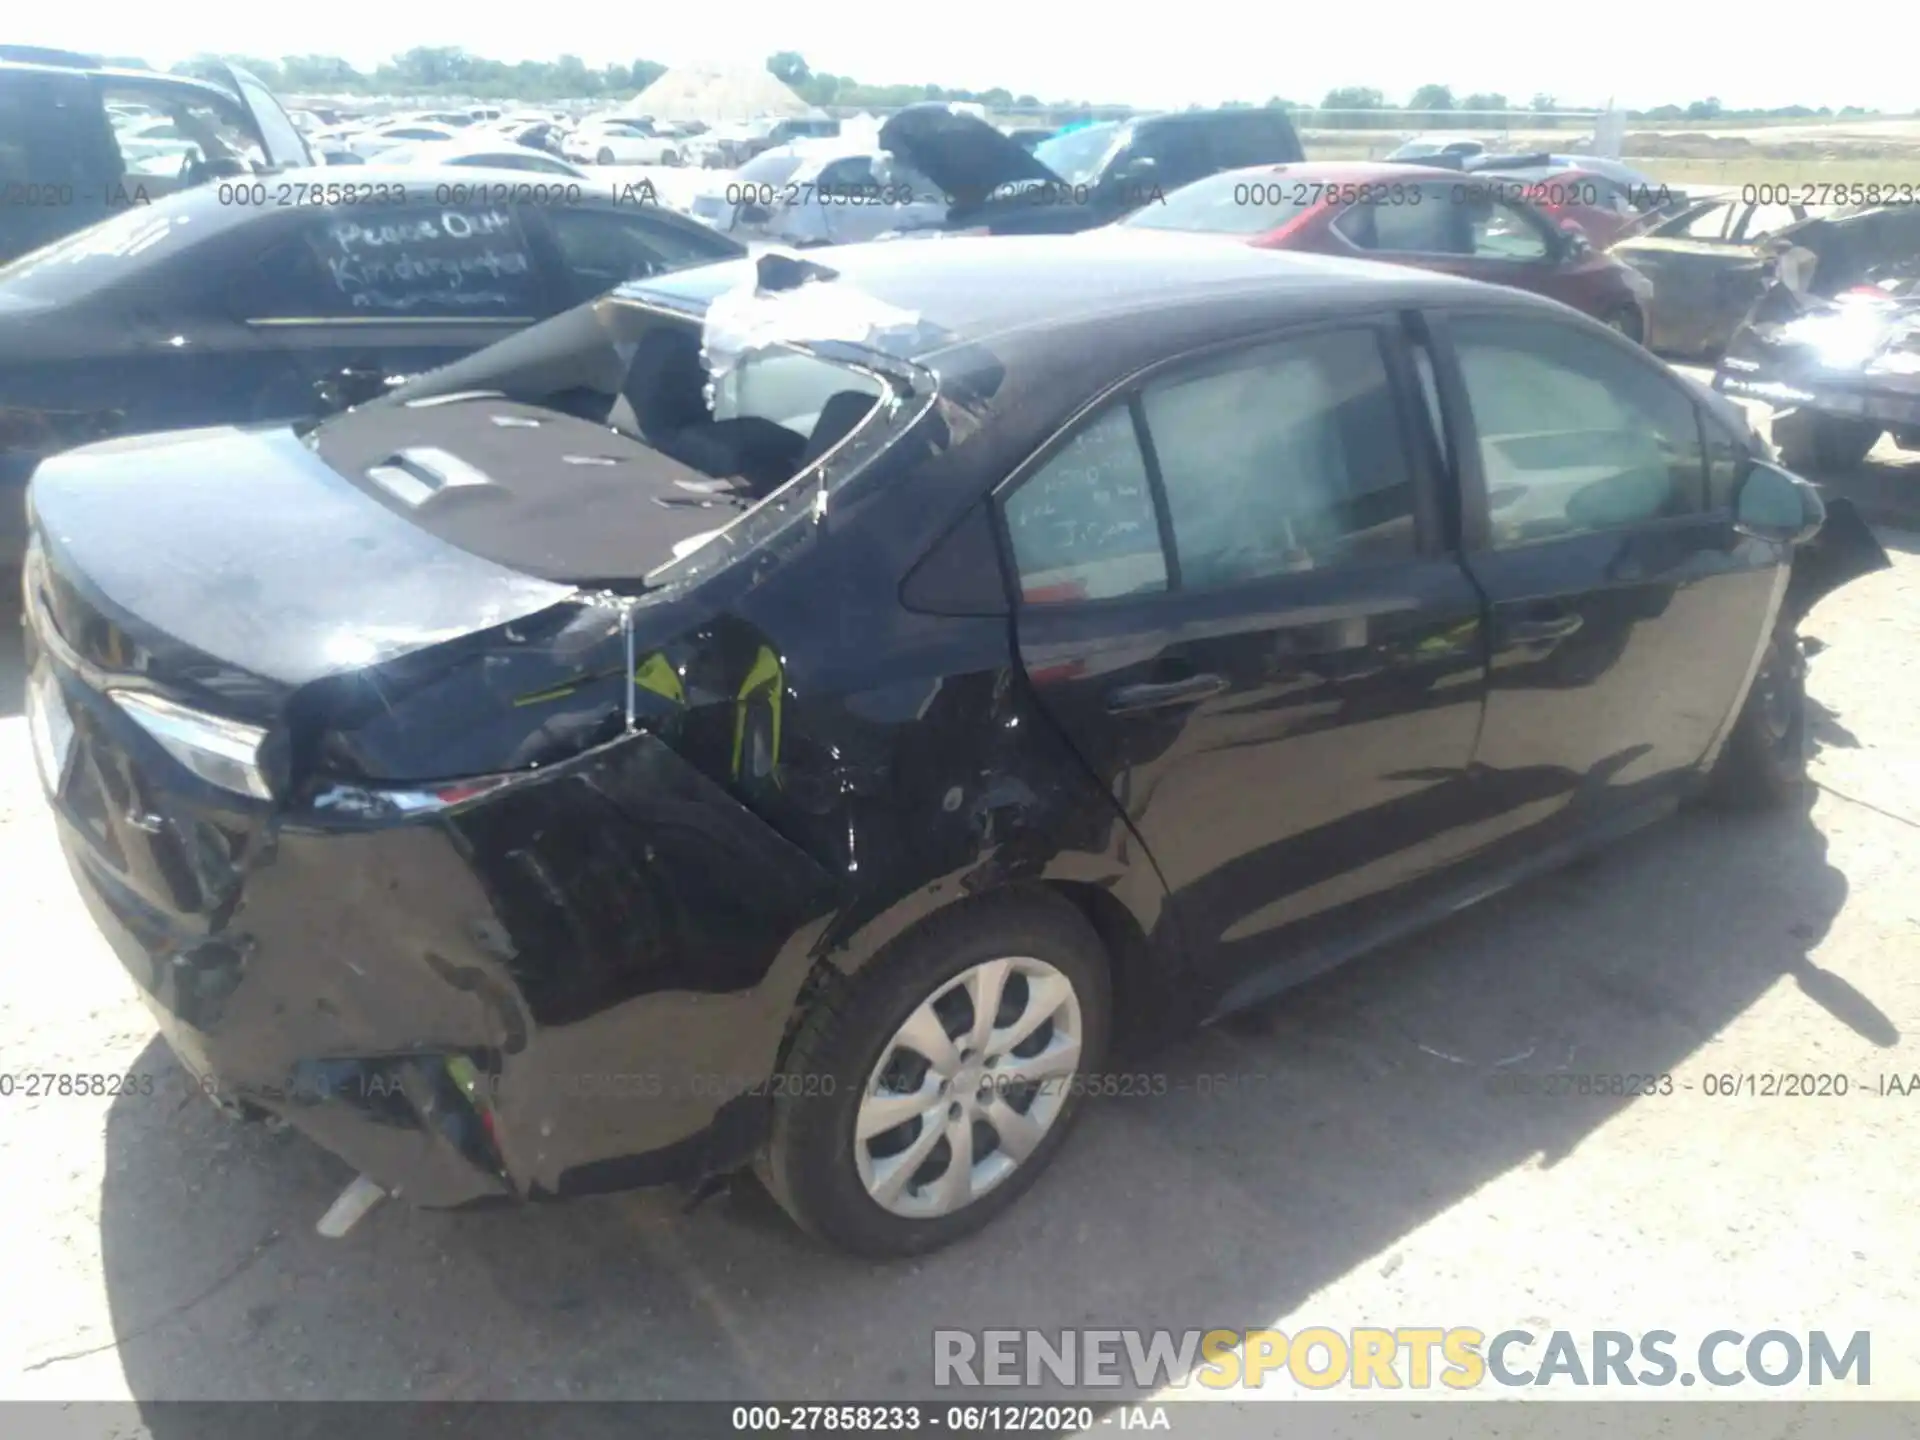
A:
[(622, 142), (491, 153), (819, 192), (369, 143), (154, 146)]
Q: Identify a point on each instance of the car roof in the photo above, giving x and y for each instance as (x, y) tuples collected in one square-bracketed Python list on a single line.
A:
[(1336, 170), (153, 79), (1189, 117), (971, 289)]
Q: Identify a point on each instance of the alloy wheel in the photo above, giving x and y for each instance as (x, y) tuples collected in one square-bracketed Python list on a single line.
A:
[(968, 1086)]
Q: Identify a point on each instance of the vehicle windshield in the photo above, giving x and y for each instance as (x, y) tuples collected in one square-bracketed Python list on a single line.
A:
[(775, 167), (1076, 155), (1240, 202)]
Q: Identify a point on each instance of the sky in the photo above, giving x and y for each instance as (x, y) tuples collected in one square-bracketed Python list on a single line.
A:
[(1637, 53)]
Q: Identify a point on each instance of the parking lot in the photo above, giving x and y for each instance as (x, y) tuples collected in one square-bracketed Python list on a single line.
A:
[(1335, 1158)]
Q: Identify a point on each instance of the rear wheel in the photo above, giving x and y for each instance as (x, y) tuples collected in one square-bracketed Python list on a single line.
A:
[(1819, 444), (605, 157), (1765, 759), (672, 157), (924, 1096)]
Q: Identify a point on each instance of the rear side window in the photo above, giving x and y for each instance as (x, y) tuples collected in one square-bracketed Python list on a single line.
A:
[(1574, 435), (1281, 459), (1286, 458), (1083, 525), (419, 262), (190, 127)]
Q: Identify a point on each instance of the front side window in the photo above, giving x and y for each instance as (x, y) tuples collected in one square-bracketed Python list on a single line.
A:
[(1409, 219), (1083, 525), (421, 262), (1502, 231), (1179, 152), (1283, 459), (605, 248), (1575, 436)]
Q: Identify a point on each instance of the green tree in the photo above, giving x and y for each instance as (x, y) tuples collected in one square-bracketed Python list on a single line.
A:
[(1707, 109), (1543, 101), (788, 67), (1353, 97), (1485, 100), (1432, 97)]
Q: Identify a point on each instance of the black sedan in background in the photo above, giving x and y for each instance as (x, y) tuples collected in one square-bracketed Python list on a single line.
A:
[(800, 714), (280, 297)]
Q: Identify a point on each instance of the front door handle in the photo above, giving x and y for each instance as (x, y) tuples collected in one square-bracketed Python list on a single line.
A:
[(1153, 696), (1545, 631)]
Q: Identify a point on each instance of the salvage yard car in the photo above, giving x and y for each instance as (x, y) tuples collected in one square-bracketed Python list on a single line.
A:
[(800, 715), (1472, 226), (1707, 265), (245, 301), (65, 161), (819, 192), (614, 140), (1836, 353), (1080, 177)]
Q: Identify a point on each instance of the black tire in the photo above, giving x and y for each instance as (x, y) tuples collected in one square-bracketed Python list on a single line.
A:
[(1765, 759), (809, 1166), (1818, 445), (605, 157)]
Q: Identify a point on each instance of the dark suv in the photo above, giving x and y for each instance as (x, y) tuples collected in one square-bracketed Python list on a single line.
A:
[(80, 140), (1080, 177)]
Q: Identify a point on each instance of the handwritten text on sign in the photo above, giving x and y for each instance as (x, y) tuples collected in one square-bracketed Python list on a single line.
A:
[(453, 259)]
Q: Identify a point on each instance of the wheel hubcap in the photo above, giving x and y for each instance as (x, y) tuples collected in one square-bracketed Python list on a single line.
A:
[(968, 1086)]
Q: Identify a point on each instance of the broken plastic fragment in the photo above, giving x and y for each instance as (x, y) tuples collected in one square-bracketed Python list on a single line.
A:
[(791, 301)]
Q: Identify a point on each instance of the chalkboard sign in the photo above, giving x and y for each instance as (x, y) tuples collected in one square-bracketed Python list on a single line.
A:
[(443, 260)]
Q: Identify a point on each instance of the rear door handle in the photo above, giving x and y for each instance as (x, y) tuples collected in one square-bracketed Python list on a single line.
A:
[(1151, 696)]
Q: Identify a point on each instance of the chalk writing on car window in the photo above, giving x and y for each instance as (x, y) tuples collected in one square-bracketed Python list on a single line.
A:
[(450, 260)]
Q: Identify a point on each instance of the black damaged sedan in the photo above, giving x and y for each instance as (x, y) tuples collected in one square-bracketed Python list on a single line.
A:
[(808, 716)]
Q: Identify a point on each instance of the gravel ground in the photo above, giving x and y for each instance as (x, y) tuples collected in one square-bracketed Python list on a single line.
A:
[(1357, 1172)]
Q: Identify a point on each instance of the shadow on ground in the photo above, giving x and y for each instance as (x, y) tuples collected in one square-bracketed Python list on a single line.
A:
[(1343, 1117)]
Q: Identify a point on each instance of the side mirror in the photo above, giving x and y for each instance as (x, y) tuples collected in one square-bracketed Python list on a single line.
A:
[(1777, 505), (1141, 172), (1574, 244)]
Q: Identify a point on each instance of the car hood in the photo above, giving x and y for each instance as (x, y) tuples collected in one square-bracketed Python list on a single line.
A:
[(386, 531), (963, 155)]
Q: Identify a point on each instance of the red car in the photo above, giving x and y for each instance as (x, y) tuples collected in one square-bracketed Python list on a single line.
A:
[(1599, 206), (1411, 215)]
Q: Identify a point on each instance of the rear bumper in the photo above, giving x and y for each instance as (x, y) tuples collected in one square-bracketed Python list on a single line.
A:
[(563, 987)]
